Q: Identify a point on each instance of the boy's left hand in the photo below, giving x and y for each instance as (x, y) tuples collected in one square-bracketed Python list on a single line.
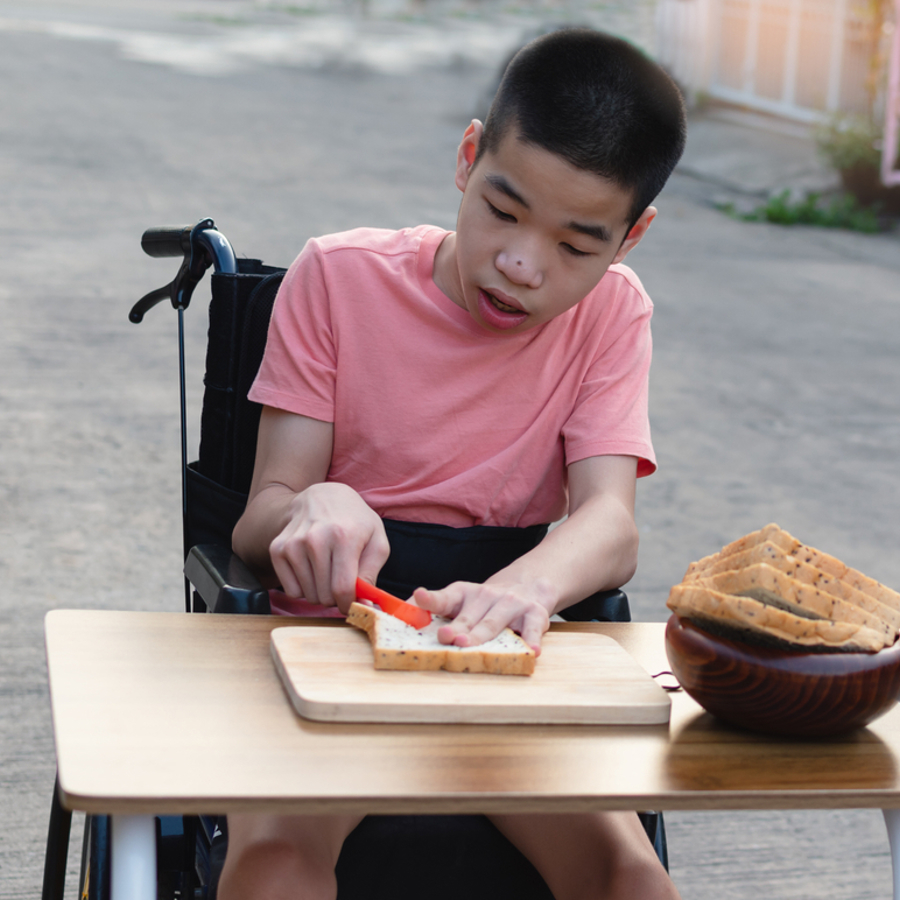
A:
[(481, 611)]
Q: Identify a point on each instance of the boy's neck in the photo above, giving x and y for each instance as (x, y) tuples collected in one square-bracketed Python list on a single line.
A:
[(445, 273)]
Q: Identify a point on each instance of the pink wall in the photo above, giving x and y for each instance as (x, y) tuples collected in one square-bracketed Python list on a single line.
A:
[(890, 174)]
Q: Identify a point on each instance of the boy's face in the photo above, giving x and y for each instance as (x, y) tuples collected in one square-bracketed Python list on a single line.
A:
[(534, 235)]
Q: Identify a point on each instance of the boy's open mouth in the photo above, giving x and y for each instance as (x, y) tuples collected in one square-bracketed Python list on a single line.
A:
[(503, 307), (498, 313)]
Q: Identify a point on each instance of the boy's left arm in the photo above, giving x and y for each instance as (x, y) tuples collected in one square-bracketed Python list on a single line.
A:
[(593, 549)]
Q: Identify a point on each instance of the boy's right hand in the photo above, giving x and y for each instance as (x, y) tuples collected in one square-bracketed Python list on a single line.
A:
[(332, 538)]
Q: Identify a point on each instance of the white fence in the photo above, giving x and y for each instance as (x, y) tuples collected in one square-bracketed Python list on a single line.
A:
[(795, 58), (890, 163)]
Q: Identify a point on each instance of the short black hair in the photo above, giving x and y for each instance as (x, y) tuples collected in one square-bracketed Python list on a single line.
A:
[(599, 103)]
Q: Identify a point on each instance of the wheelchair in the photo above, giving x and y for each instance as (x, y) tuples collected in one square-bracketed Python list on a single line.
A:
[(191, 850)]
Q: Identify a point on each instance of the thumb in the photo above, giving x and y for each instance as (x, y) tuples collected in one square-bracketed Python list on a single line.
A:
[(443, 602)]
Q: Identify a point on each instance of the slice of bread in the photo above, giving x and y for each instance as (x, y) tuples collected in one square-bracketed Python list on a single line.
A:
[(735, 615), (768, 585), (826, 564), (397, 645), (769, 553)]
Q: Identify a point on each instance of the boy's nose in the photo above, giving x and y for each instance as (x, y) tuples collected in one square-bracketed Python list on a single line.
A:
[(519, 268)]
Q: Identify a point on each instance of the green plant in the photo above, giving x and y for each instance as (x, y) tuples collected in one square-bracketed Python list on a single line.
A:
[(841, 211), (849, 141)]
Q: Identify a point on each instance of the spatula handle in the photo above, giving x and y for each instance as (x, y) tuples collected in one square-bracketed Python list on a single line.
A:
[(394, 606)]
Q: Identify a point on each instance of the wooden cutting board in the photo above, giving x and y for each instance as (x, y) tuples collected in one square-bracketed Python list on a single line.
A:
[(579, 679)]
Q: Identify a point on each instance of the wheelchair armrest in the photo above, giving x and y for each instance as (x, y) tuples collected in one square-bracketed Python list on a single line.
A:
[(604, 606), (224, 582)]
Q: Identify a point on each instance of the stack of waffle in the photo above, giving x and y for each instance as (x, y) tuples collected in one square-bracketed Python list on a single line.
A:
[(769, 587)]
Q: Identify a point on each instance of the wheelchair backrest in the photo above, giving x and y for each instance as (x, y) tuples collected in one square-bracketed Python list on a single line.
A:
[(218, 482)]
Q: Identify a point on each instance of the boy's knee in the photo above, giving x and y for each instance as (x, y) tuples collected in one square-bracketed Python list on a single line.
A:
[(274, 869), (640, 876), (623, 875), (603, 856)]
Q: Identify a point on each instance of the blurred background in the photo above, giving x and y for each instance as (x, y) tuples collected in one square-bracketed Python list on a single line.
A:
[(773, 265)]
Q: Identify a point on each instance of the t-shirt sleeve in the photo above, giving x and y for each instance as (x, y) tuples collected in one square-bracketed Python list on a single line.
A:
[(297, 373), (611, 417)]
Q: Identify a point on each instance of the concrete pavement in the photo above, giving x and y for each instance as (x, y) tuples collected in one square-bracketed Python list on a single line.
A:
[(747, 154), (775, 351)]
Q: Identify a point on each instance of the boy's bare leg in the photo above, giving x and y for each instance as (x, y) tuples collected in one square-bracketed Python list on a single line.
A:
[(283, 857), (590, 856)]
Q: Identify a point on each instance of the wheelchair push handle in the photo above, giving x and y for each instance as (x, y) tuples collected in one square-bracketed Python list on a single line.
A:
[(200, 245), (167, 241)]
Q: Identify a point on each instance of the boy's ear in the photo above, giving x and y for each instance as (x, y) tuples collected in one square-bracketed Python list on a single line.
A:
[(468, 149), (638, 230)]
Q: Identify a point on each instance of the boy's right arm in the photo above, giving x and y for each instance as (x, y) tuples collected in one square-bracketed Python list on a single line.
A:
[(308, 536)]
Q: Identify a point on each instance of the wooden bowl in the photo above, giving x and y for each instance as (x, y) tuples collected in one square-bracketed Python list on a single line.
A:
[(779, 691)]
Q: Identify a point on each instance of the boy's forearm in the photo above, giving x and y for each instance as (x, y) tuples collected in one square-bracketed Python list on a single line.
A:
[(293, 452), (594, 549), (263, 519)]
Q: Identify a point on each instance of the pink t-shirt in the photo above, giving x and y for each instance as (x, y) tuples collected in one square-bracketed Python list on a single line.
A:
[(435, 418)]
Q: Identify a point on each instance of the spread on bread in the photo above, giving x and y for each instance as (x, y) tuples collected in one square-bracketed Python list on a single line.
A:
[(397, 645), (768, 586)]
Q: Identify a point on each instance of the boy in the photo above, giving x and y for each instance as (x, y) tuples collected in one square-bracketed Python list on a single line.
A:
[(427, 391)]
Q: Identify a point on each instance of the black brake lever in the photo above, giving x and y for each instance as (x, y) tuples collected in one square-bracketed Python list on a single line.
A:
[(206, 247), (147, 302)]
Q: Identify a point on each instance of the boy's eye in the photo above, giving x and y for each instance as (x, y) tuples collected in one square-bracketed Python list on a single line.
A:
[(574, 251), (502, 216)]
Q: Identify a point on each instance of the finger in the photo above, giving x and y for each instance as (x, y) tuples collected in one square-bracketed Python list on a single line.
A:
[(468, 605), (486, 612), (374, 554), (490, 625), (462, 602), (446, 602), (534, 626), (344, 571), (318, 548), (289, 577), (303, 571), (357, 557), (285, 575)]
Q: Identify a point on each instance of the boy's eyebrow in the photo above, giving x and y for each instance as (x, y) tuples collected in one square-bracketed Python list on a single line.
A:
[(501, 184), (598, 232)]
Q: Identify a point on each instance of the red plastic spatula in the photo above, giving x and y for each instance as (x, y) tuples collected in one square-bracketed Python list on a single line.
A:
[(394, 606)]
